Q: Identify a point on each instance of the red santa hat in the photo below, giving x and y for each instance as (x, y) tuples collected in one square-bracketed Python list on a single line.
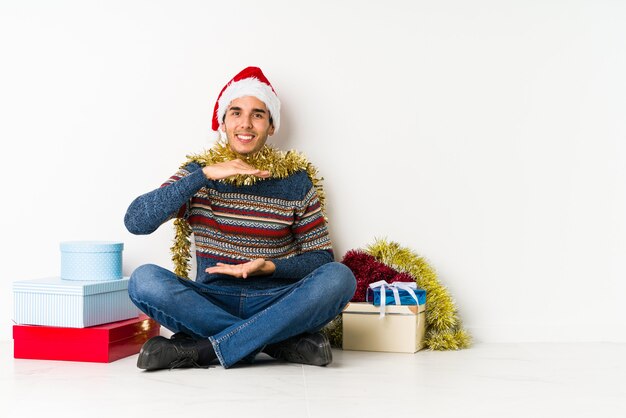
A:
[(249, 82)]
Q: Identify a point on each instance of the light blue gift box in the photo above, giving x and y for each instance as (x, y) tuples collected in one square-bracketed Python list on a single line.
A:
[(71, 303), (91, 260)]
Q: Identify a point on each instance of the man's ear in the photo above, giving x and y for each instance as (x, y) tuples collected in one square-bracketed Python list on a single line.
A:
[(270, 132)]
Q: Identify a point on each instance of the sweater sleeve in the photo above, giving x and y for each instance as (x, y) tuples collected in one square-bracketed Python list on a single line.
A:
[(149, 211), (311, 236)]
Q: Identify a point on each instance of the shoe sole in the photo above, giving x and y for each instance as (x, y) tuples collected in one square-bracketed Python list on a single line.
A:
[(325, 356), (150, 361)]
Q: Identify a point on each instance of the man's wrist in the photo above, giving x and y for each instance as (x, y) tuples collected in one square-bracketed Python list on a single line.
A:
[(268, 267), (206, 170)]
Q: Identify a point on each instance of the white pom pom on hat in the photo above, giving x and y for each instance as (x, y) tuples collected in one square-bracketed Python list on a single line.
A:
[(249, 82)]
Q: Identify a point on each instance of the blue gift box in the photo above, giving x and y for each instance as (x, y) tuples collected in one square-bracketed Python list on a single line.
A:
[(373, 295), (71, 303), (91, 260)]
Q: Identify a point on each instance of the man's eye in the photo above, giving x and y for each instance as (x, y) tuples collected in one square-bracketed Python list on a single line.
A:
[(234, 113)]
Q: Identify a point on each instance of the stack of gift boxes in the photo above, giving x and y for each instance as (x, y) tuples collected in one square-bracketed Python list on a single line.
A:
[(83, 315), (392, 319)]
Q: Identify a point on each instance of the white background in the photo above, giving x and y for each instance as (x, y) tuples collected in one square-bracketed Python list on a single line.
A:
[(488, 136)]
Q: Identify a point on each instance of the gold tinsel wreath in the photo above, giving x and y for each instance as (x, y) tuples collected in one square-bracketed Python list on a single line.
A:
[(279, 164), (444, 330)]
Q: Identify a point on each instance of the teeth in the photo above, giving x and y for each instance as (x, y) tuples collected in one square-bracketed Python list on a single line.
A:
[(245, 137)]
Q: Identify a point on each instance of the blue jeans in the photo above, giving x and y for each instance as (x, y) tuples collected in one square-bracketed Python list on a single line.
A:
[(240, 320)]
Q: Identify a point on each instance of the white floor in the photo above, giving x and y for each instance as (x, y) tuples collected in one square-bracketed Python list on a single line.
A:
[(488, 380)]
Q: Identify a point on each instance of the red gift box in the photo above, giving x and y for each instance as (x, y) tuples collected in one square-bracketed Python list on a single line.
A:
[(101, 344)]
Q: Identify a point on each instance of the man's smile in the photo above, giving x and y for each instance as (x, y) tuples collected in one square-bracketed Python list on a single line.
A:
[(245, 137)]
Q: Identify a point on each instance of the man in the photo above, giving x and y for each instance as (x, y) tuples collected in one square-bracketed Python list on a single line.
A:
[(266, 280)]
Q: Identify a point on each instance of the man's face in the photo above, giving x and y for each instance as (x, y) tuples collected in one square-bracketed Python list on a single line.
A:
[(247, 125)]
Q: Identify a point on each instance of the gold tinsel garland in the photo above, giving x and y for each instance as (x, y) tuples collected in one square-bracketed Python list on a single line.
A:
[(443, 327), (279, 164)]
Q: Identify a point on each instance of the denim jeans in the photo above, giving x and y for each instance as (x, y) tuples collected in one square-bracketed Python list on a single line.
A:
[(240, 320)]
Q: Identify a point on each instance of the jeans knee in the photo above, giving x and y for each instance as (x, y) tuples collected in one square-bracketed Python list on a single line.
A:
[(143, 281), (347, 279), (340, 279)]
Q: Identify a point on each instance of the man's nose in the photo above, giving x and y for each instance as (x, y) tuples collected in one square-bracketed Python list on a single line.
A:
[(246, 121)]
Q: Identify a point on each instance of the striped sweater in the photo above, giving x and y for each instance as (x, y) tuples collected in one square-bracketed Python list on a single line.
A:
[(276, 219)]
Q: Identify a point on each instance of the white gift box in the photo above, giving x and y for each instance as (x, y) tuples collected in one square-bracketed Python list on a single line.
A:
[(71, 303), (91, 260), (400, 330)]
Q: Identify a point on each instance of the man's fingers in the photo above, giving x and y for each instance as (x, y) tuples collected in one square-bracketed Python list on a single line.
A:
[(248, 169), (237, 270), (219, 268), (232, 168), (241, 164), (254, 172)]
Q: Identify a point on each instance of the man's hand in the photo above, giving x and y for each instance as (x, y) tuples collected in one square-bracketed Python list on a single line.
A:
[(255, 267), (231, 168)]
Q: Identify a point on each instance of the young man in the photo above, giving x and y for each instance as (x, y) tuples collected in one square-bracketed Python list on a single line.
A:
[(266, 280)]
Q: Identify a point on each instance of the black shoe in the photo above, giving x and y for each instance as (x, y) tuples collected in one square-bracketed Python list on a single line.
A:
[(313, 349), (161, 353), (181, 336)]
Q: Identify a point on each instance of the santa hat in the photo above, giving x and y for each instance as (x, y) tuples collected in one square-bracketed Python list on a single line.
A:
[(249, 82)]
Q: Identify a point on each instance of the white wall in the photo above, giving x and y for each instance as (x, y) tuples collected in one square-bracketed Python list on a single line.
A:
[(486, 135)]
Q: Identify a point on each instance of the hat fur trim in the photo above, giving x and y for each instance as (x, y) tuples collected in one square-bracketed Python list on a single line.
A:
[(251, 86)]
